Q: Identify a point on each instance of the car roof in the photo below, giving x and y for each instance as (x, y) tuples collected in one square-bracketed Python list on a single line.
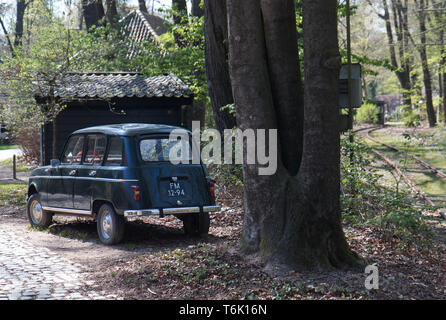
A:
[(129, 129)]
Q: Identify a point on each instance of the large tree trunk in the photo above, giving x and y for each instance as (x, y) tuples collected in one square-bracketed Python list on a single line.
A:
[(217, 69), (291, 220), (319, 174)]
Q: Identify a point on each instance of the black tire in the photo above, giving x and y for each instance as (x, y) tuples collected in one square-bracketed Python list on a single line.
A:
[(110, 226), (36, 215), (196, 224)]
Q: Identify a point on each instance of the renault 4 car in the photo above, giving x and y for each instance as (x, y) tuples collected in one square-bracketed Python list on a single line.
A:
[(116, 173)]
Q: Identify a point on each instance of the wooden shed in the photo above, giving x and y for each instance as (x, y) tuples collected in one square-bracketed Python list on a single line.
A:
[(98, 98)]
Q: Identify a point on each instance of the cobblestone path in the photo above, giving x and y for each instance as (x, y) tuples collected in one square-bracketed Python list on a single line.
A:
[(29, 272)]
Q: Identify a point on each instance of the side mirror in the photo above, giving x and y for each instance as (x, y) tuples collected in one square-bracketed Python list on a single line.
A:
[(55, 162)]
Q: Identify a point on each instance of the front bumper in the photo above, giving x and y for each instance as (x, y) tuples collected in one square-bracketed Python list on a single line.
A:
[(179, 210)]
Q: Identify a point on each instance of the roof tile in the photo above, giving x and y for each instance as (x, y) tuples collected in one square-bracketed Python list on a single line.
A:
[(106, 85)]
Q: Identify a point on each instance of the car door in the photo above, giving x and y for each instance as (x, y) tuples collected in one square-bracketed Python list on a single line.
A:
[(60, 186), (87, 173)]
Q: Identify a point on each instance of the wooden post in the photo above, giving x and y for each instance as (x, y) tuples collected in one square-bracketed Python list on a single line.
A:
[(14, 170)]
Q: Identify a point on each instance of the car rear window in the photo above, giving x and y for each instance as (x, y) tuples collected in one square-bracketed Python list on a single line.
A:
[(160, 149)]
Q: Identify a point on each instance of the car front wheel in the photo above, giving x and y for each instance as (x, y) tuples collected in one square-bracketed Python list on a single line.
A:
[(36, 215), (110, 225)]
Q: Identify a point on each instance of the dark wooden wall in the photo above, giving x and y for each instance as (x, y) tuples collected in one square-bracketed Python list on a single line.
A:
[(82, 114)]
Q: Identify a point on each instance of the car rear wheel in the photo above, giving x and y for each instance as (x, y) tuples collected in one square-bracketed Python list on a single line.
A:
[(110, 226), (196, 224), (36, 215)]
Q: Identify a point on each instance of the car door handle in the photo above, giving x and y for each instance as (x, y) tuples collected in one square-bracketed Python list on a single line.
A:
[(47, 170), (72, 172), (92, 173)]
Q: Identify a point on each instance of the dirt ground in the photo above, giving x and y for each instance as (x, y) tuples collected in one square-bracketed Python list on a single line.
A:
[(157, 261)]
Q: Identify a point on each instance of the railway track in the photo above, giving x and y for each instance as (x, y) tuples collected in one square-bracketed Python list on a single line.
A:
[(412, 186), (423, 163)]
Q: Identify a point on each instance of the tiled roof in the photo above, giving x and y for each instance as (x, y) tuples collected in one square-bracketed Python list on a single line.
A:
[(107, 85), (141, 26)]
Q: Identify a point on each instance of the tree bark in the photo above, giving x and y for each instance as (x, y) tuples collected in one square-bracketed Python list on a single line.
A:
[(93, 12), (291, 221), (439, 20), (20, 14), (285, 77), (216, 60), (180, 10), (196, 10), (11, 47), (142, 6), (399, 14), (112, 12), (425, 66)]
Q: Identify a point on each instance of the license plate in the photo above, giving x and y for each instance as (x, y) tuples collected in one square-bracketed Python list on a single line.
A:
[(175, 189)]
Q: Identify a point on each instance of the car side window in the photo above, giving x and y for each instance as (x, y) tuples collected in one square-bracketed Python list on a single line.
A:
[(95, 149), (114, 156), (73, 150)]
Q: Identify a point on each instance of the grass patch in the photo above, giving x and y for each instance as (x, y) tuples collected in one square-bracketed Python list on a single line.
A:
[(432, 185), (20, 164), (422, 147), (13, 194), (7, 147)]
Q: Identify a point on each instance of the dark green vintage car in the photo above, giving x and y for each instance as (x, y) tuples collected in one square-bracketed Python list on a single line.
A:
[(115, 172)]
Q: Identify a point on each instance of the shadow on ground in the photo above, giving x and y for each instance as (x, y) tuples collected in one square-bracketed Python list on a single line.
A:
[(138, 234)]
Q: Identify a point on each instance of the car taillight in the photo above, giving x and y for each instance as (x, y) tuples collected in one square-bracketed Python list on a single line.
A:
[(135, 191), (211, 185)]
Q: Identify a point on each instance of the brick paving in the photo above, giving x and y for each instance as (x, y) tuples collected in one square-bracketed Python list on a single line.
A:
[(30, 272)]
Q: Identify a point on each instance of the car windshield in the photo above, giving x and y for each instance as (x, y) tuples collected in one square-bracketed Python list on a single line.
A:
[(165, 149)]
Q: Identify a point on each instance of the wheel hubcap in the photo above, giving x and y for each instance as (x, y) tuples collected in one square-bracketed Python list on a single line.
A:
[(36, 212), (106, 225)]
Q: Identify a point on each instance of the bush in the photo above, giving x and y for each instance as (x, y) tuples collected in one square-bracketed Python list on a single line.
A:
[(29, 140), (364, 201), (368, 113)]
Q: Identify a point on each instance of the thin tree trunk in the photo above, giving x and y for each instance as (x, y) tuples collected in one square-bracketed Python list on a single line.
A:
[(216, 61), (443, 72), (442, 63), (11, 48), (142, 6), (199, 107), (112, 12), (195, 8), (399, 25), (180, 11), (93, 12), (20, 14), (285, 77), (425, 66)]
